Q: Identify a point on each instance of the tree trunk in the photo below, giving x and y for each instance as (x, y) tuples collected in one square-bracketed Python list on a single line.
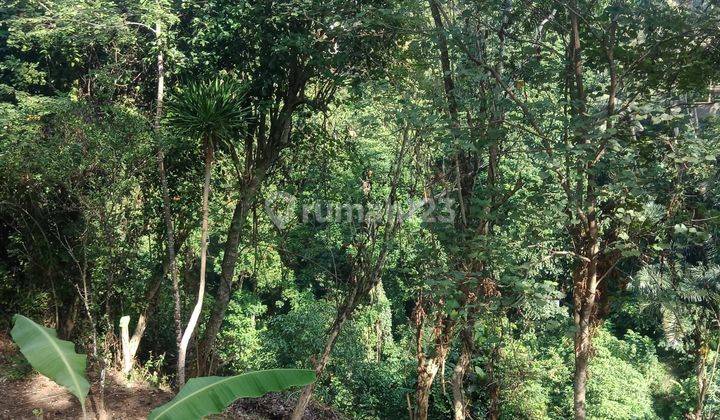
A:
[(582, 357), (192, 322), (458, 378), (169, 228), (150, 303), (494, 397), (342, 316), (701, 374), (427, 367), (584, 292), (125, 343), (585, 276), (68, 324), (427, 370), (459, 401), (230, 257)]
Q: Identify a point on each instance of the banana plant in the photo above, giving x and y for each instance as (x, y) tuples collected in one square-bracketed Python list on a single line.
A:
[(213, 394), (200, 397), (51, 356)]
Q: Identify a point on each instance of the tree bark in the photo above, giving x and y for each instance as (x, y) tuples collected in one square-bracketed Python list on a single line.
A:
[(459, 372), (151, 297), (192, 322), (584, 291), (68, 325), (585, 276), (580, 376), (230, 257), (427, 370), (125, 343), (701, 374), (322, 362), (169, 228), (427, 367)]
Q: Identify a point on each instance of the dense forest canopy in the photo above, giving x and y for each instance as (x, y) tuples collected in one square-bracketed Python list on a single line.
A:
[(445, 209)]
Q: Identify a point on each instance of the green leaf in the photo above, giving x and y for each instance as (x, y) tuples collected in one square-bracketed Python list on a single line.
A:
[(51, 356), (213, 394), (210, 109)]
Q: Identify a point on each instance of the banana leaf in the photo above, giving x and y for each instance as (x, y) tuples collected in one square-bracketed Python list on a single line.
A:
[(51, 356), (213, 394)]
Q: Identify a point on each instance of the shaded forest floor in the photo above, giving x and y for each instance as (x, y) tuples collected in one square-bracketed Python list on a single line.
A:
[(38, 397), (29, 395)]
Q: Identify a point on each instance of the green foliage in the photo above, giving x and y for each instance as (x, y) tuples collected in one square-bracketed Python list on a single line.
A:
[(535, 374), (361, 382), (314, 98), (241, 342), (622, 365), (209, 110)]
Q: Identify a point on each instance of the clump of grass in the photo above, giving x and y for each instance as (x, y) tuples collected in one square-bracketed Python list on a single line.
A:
[(150, 372), (14, 367)]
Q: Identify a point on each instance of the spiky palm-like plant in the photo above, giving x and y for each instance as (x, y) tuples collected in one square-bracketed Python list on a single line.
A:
[(683, 295), (212, 112), (688, 298)]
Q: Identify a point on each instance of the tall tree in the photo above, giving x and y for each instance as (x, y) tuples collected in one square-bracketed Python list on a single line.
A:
[(212, 112), (578, 141), (293, 59)]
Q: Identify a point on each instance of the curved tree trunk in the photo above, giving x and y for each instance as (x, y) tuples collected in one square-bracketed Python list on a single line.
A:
[(192, 322), (227, 274), (151, 296), (152, 292), (307, 392)]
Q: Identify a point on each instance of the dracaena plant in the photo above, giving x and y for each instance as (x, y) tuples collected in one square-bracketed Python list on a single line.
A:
[(213, 113)]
